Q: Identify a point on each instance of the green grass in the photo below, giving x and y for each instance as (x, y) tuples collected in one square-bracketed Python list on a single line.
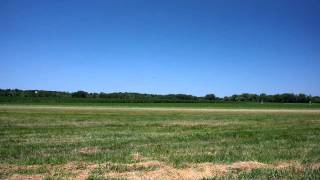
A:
[(46, 136), (290, 173), (228, 105)]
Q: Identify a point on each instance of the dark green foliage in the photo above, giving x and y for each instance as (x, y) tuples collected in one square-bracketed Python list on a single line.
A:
[(210, 97), (80, 94), (60, 97)]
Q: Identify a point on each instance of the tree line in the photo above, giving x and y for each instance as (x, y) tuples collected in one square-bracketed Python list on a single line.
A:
[(139, 97)]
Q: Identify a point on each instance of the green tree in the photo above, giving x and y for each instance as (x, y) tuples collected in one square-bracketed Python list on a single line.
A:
[(210, 97), (80, 94)]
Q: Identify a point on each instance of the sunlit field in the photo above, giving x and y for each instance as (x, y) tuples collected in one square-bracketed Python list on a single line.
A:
[(100, 143)]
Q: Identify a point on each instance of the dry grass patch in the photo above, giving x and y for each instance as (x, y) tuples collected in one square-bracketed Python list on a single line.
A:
[(89, 150), (193, 171), (138, 157), (315, 166), (25, 177), (247, 165), (147, 170), (201, 123)]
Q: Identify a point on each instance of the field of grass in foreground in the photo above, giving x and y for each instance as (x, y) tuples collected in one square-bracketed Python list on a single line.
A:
[(96, 144)]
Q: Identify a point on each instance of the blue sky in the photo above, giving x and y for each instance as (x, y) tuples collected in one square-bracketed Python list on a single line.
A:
[(161, 46)]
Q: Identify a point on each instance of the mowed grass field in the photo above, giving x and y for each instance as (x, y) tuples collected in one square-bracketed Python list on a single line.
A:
[(46, 142), (200, 105)]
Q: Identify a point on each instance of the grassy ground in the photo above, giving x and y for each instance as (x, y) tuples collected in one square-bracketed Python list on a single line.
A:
[(225, 105), (112, 103), (89, 143)]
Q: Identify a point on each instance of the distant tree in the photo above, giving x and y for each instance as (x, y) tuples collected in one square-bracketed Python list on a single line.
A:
[(80, 94), (315, 99), (226, 98), (302, 98), (173, 98), (262, 97), (210, 97)]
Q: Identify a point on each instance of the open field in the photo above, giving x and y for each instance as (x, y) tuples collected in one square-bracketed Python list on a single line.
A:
[(53, 142), (200, 105)]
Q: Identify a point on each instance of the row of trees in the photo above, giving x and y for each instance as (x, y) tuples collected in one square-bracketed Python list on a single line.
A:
[(137, 97), (282, 98)]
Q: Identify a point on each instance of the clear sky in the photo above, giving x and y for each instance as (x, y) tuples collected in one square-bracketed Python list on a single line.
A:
[(161, 46)]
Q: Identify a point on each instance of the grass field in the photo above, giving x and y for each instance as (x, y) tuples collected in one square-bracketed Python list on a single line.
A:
[(225, 105), (45, 142)]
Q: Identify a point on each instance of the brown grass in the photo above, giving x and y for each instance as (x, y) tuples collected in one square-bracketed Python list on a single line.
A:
[(153, 169), (203, 123), (193, 171), (25, 177), (315, 166), (89, 150), (138, 157)]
